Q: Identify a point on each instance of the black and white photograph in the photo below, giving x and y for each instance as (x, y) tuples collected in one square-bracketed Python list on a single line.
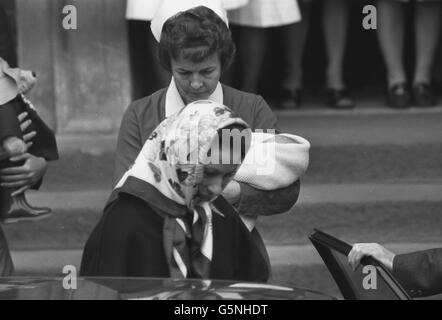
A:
[(238, 150)]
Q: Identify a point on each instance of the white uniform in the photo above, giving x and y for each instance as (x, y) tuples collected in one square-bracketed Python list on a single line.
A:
[(266, 13), (145, 9), (141, 9)]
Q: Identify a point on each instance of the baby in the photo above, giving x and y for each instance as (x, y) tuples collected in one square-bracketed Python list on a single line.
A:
[(14, 83), (274, 161)]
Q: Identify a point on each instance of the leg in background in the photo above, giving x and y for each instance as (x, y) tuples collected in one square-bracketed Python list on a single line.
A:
[(146, 73), (427, 28), (252, 44), (294, 37), (391, 31), (335, 17), (335, 23)]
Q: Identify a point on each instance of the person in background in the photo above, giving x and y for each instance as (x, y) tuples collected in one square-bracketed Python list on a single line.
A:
[(166, 199), (146, 74), (22, 171), (160, 220), (14, 84), (29, 174), (419, 272), (401, 91), (195, 45), (253, 20), (25, 171), (335, 18)]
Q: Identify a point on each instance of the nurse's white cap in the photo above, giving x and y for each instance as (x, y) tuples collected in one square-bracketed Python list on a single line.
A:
[(169, 8)]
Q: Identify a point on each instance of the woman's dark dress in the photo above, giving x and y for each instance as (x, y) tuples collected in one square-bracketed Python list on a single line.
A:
[(128, 242)]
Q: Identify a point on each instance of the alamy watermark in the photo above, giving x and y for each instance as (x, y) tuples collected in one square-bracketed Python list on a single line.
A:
[(370, 20), (70, 17), (70, 22), (70, 280), (225, 149), (370, 281)]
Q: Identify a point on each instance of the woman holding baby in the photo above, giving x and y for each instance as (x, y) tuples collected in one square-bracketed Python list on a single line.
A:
[(162, 218), (26, 144)]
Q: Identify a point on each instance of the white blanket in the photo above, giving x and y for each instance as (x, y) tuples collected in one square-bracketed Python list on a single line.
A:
[(274, 161)]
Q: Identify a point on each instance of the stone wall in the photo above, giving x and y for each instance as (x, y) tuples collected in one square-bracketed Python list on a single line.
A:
[(84, 83)]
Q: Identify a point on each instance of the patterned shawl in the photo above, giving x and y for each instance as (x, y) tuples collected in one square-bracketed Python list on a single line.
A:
[(172, 160)]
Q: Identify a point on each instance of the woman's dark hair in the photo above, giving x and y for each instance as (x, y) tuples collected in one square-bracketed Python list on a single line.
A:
[(199, 28)]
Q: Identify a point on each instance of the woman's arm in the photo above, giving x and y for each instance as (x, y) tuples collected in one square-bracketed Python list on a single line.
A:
[(30, 169), (129, 143), (253, 202)]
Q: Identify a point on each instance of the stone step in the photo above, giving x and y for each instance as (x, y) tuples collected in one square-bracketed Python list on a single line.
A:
[(328, 164), (305, 255), (52, 261), (310, 194), (369, 193), (385, 221), (410, 127), (370, 124)]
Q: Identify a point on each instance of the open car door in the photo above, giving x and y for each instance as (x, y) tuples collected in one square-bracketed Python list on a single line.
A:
[(377, 283)]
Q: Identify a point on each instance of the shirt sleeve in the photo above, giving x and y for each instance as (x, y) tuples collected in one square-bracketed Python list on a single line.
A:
[(255, 202), (264, 118), (420, 272), (129, 143)]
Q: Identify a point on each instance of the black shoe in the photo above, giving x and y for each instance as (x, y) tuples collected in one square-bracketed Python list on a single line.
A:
[(21, 210), (339, 99), (290, 99), (423, 95), (398, 96)]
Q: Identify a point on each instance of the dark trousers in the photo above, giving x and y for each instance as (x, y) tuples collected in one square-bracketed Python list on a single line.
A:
[(146, 73), (6, 265)]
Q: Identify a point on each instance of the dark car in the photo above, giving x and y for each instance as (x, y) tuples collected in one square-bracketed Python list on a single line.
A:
[(24, 288)]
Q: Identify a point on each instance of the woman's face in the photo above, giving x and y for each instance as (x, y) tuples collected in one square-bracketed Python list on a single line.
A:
[(196, 81), (217, 176)]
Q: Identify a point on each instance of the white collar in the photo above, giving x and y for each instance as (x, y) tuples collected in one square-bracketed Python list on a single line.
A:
[(175, 103)]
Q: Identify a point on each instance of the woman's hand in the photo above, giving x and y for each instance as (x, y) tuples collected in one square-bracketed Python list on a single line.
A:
[(33, 169), (25, 176), (24, 124), (373, 250)]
